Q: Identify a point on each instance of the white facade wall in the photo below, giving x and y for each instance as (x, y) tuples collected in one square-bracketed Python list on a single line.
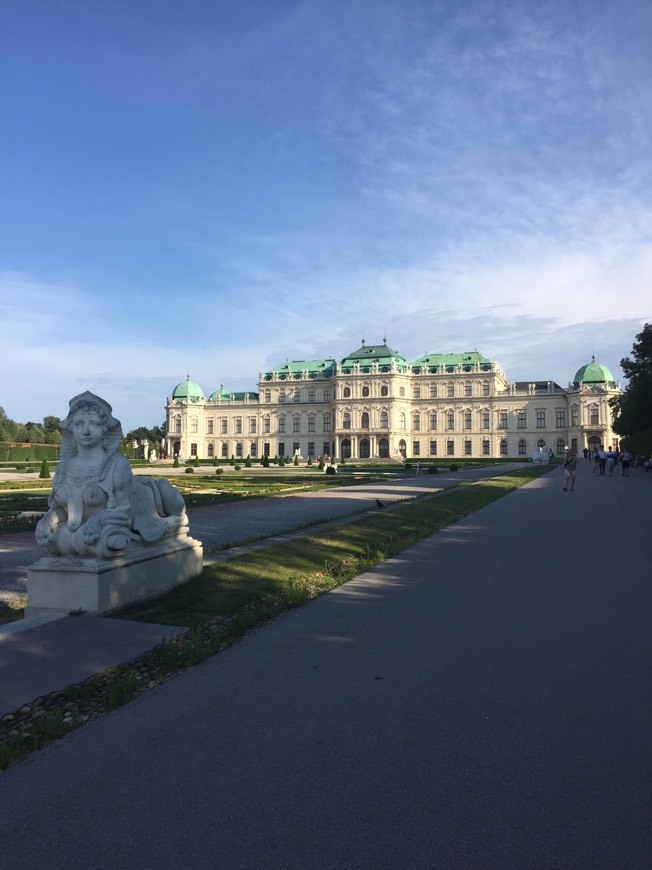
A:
[(396, 413)]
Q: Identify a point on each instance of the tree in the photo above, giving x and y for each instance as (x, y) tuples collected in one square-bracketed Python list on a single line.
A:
[(633, 407), (51, 424)]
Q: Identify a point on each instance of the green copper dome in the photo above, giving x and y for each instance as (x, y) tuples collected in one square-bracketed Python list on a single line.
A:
[(594, 373), (188, 391)]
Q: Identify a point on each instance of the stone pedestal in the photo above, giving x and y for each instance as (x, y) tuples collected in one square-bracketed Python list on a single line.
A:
[(95, 586)]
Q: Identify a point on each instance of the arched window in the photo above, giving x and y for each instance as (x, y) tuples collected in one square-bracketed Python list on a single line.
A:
[(384, 391), (364, 420), (384, 420), (561, 447), (346, 392), (433, 448), (401, 392), (365, 392), (522, 447), (468, 447), (485, 447), (503, 447), (177, 424), (225, 449), (238, 450), (346, 420), (211, 450), (253, 450), (401, 420)]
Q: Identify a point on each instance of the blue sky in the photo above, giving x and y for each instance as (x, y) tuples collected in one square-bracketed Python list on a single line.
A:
[(213, 188)]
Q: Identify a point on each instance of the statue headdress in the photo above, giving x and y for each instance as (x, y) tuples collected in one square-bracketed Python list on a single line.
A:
[(90, 402)]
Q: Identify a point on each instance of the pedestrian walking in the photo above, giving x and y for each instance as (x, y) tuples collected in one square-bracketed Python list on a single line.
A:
[(570, 470), (602, 458), (611, 462), (625, 462)]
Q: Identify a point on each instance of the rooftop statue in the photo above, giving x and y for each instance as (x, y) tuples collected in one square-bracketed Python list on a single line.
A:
[(97, 507)]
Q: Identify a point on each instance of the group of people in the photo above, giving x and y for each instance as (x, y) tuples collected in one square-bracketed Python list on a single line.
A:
[(603, 463)]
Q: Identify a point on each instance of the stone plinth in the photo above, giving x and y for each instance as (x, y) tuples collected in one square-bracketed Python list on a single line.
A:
[(96, 586)]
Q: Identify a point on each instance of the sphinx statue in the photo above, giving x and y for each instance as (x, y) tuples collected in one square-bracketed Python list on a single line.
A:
[(98, 507)]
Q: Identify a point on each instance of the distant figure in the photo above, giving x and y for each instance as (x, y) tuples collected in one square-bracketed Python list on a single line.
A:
[(625, 462), (611, 461), (602, 459), (379, 504), (570, 470)]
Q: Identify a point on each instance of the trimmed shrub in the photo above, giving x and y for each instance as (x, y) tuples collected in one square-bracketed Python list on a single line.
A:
[(248, 462), (454, 468), (190, 470), (175, 464), (219, 471), (45, 470), (331, 469), (236, 468), (296, 459), (433, 470)]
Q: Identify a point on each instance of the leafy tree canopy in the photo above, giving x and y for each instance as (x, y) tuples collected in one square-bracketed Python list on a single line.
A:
[(633, 408)]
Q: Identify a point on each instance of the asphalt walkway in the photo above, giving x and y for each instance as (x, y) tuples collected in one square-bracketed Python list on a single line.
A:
[(482, 700)]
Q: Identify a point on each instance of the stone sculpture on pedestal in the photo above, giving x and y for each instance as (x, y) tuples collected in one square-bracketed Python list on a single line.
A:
[(129, 533)]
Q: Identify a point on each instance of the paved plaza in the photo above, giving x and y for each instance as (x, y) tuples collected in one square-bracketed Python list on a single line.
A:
[(481, 700)]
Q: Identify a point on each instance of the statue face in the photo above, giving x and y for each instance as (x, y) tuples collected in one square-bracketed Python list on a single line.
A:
[(87, 428)]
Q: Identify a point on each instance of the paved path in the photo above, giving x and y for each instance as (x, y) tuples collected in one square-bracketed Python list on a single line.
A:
[(235, 522), (481, 701)]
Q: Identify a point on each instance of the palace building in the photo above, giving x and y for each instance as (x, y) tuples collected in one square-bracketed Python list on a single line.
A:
[(373, 403)]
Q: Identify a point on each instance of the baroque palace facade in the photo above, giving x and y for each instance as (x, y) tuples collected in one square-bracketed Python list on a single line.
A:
[(375, 404)]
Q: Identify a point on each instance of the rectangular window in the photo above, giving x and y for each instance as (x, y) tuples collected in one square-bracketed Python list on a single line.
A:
[(485, 389), (193, 424), (224, 423), (327, 448), (266, 426), (502, 419), (416, 448), (281, 397), (485, 419), (311, 448), (595, 417), (238, 425), (450, 448), (327, 395), (433, 448), (281, 424), (296, 422), (252, 425), (560, 419), (450, 390), (485, 447), (521, 420), (416, 426), (281, 448), (417, 392), (177, 424), (468, 390), (311, 395), (433, 391), (311, 424), (193, 450), (574, 417), (450, 420), (327, 422), (433, 421), (297, 396), (295, 447), (468, 447), (209, 426), (467, 419), (541, 419)]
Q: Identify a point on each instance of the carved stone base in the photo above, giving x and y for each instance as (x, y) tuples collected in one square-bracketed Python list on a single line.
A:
[(61, 584)]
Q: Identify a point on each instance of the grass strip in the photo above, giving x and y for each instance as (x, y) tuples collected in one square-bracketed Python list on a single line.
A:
[(231, 598)]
